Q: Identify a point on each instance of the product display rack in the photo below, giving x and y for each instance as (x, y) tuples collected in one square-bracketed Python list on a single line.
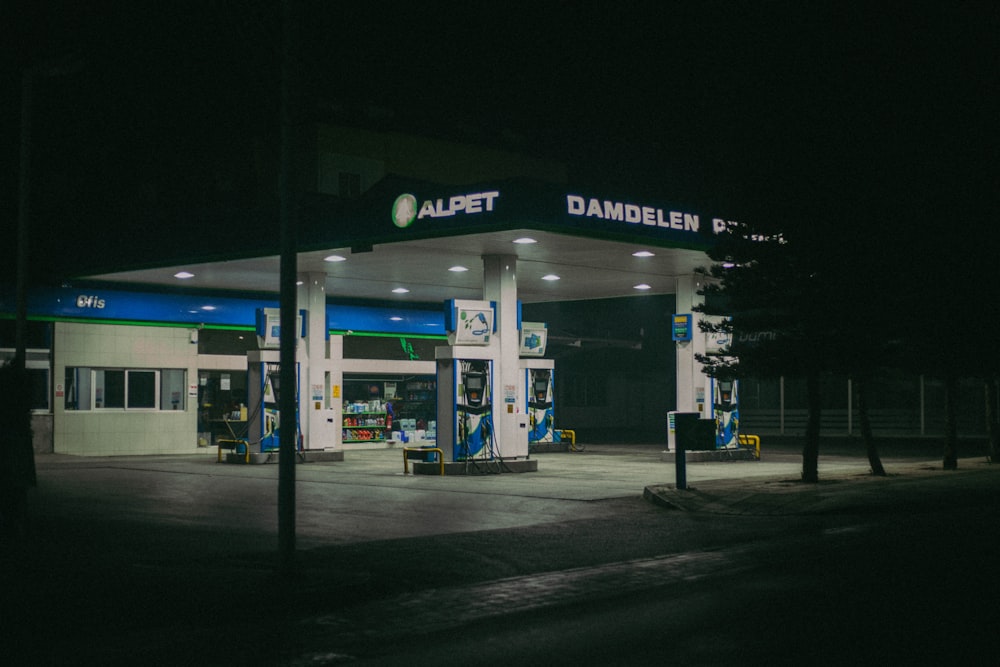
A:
[(365, 421), (364, 427)]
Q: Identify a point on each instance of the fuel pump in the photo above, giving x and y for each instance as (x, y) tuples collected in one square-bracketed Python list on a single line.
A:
[(264, 386), (538, 383), (725, 405), (263, 391), (272, 414), (541, 420), (475, 410)]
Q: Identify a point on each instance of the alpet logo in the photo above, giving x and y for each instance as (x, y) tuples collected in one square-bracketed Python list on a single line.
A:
[(404, 210)]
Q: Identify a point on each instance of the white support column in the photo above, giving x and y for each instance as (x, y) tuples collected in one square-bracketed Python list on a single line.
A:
[(691, 381), (509, 420), (335, 389), (319, 425)]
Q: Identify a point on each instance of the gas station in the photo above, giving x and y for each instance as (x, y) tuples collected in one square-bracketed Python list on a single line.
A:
[(450, 265)]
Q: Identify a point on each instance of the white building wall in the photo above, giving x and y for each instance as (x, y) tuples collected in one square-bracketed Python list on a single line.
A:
[(121, 432)]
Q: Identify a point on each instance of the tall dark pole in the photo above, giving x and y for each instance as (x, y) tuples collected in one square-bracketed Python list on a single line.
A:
[(24, 198), (288, 400), (69, 64)]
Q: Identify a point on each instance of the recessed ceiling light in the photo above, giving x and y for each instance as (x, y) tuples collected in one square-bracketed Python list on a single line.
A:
[(525, 240), (642, 286), (458, 269), (183, 275), (299, 282), (550, 276), (643, 253), (400, 290), (728, 265), (396, 318), (334, 258), (208, 307)]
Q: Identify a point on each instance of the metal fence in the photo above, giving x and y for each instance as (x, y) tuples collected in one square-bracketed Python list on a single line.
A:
[(899, 405)]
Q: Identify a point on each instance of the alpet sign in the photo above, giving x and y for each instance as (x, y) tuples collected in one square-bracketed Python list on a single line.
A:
[(405, 210)]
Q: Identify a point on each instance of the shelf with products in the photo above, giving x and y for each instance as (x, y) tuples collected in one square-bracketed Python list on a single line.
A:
[(365, 426), (364, 434), (369, 419)]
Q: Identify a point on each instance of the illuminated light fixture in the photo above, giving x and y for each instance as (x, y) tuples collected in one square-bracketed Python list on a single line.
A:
[(208, 307), (400, 290), (458, 269), (728, 265), (642, 286), (550, 276), (643, 253), (524, 240), (334, 258), (183, 275), (396, 318), (299, 282)]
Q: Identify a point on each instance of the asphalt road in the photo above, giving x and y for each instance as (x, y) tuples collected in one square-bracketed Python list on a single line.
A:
[(171, 561)]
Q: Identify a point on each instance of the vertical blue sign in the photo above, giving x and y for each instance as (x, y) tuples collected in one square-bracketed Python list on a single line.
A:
[(681, 327)]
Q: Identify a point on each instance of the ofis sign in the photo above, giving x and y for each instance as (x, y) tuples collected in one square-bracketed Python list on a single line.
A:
[(89, 301), (405, 210)]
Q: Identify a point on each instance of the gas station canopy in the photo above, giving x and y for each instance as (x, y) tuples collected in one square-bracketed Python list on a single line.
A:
[(419, 242)]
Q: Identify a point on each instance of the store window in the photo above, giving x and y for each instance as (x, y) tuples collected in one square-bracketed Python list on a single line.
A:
[(141, 389), (221, 393), (124, 389), (109, 389), (410, 396), (173, 383)]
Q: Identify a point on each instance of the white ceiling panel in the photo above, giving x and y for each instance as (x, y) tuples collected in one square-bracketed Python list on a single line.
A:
[(587, 269)]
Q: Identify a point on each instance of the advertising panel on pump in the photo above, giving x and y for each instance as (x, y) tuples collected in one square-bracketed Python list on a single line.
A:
[(534, 337), (469, 322)]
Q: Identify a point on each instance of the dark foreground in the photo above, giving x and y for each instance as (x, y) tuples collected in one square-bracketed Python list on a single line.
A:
[(124, 565)]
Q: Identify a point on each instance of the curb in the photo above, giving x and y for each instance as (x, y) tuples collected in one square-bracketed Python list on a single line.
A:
[(781, 496)]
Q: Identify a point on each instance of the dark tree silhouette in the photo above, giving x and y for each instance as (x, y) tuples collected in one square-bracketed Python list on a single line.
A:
[(17, 456)]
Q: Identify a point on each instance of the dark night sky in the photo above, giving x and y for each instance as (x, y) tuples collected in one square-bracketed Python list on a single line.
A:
[(844, 110)]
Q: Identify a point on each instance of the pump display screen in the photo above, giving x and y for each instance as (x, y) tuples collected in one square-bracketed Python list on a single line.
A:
[(541, 388), (726, 390), (474, 388)]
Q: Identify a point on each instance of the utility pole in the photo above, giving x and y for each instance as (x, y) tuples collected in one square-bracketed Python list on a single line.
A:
[(60, 67), (288, 400), (24, 198)]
